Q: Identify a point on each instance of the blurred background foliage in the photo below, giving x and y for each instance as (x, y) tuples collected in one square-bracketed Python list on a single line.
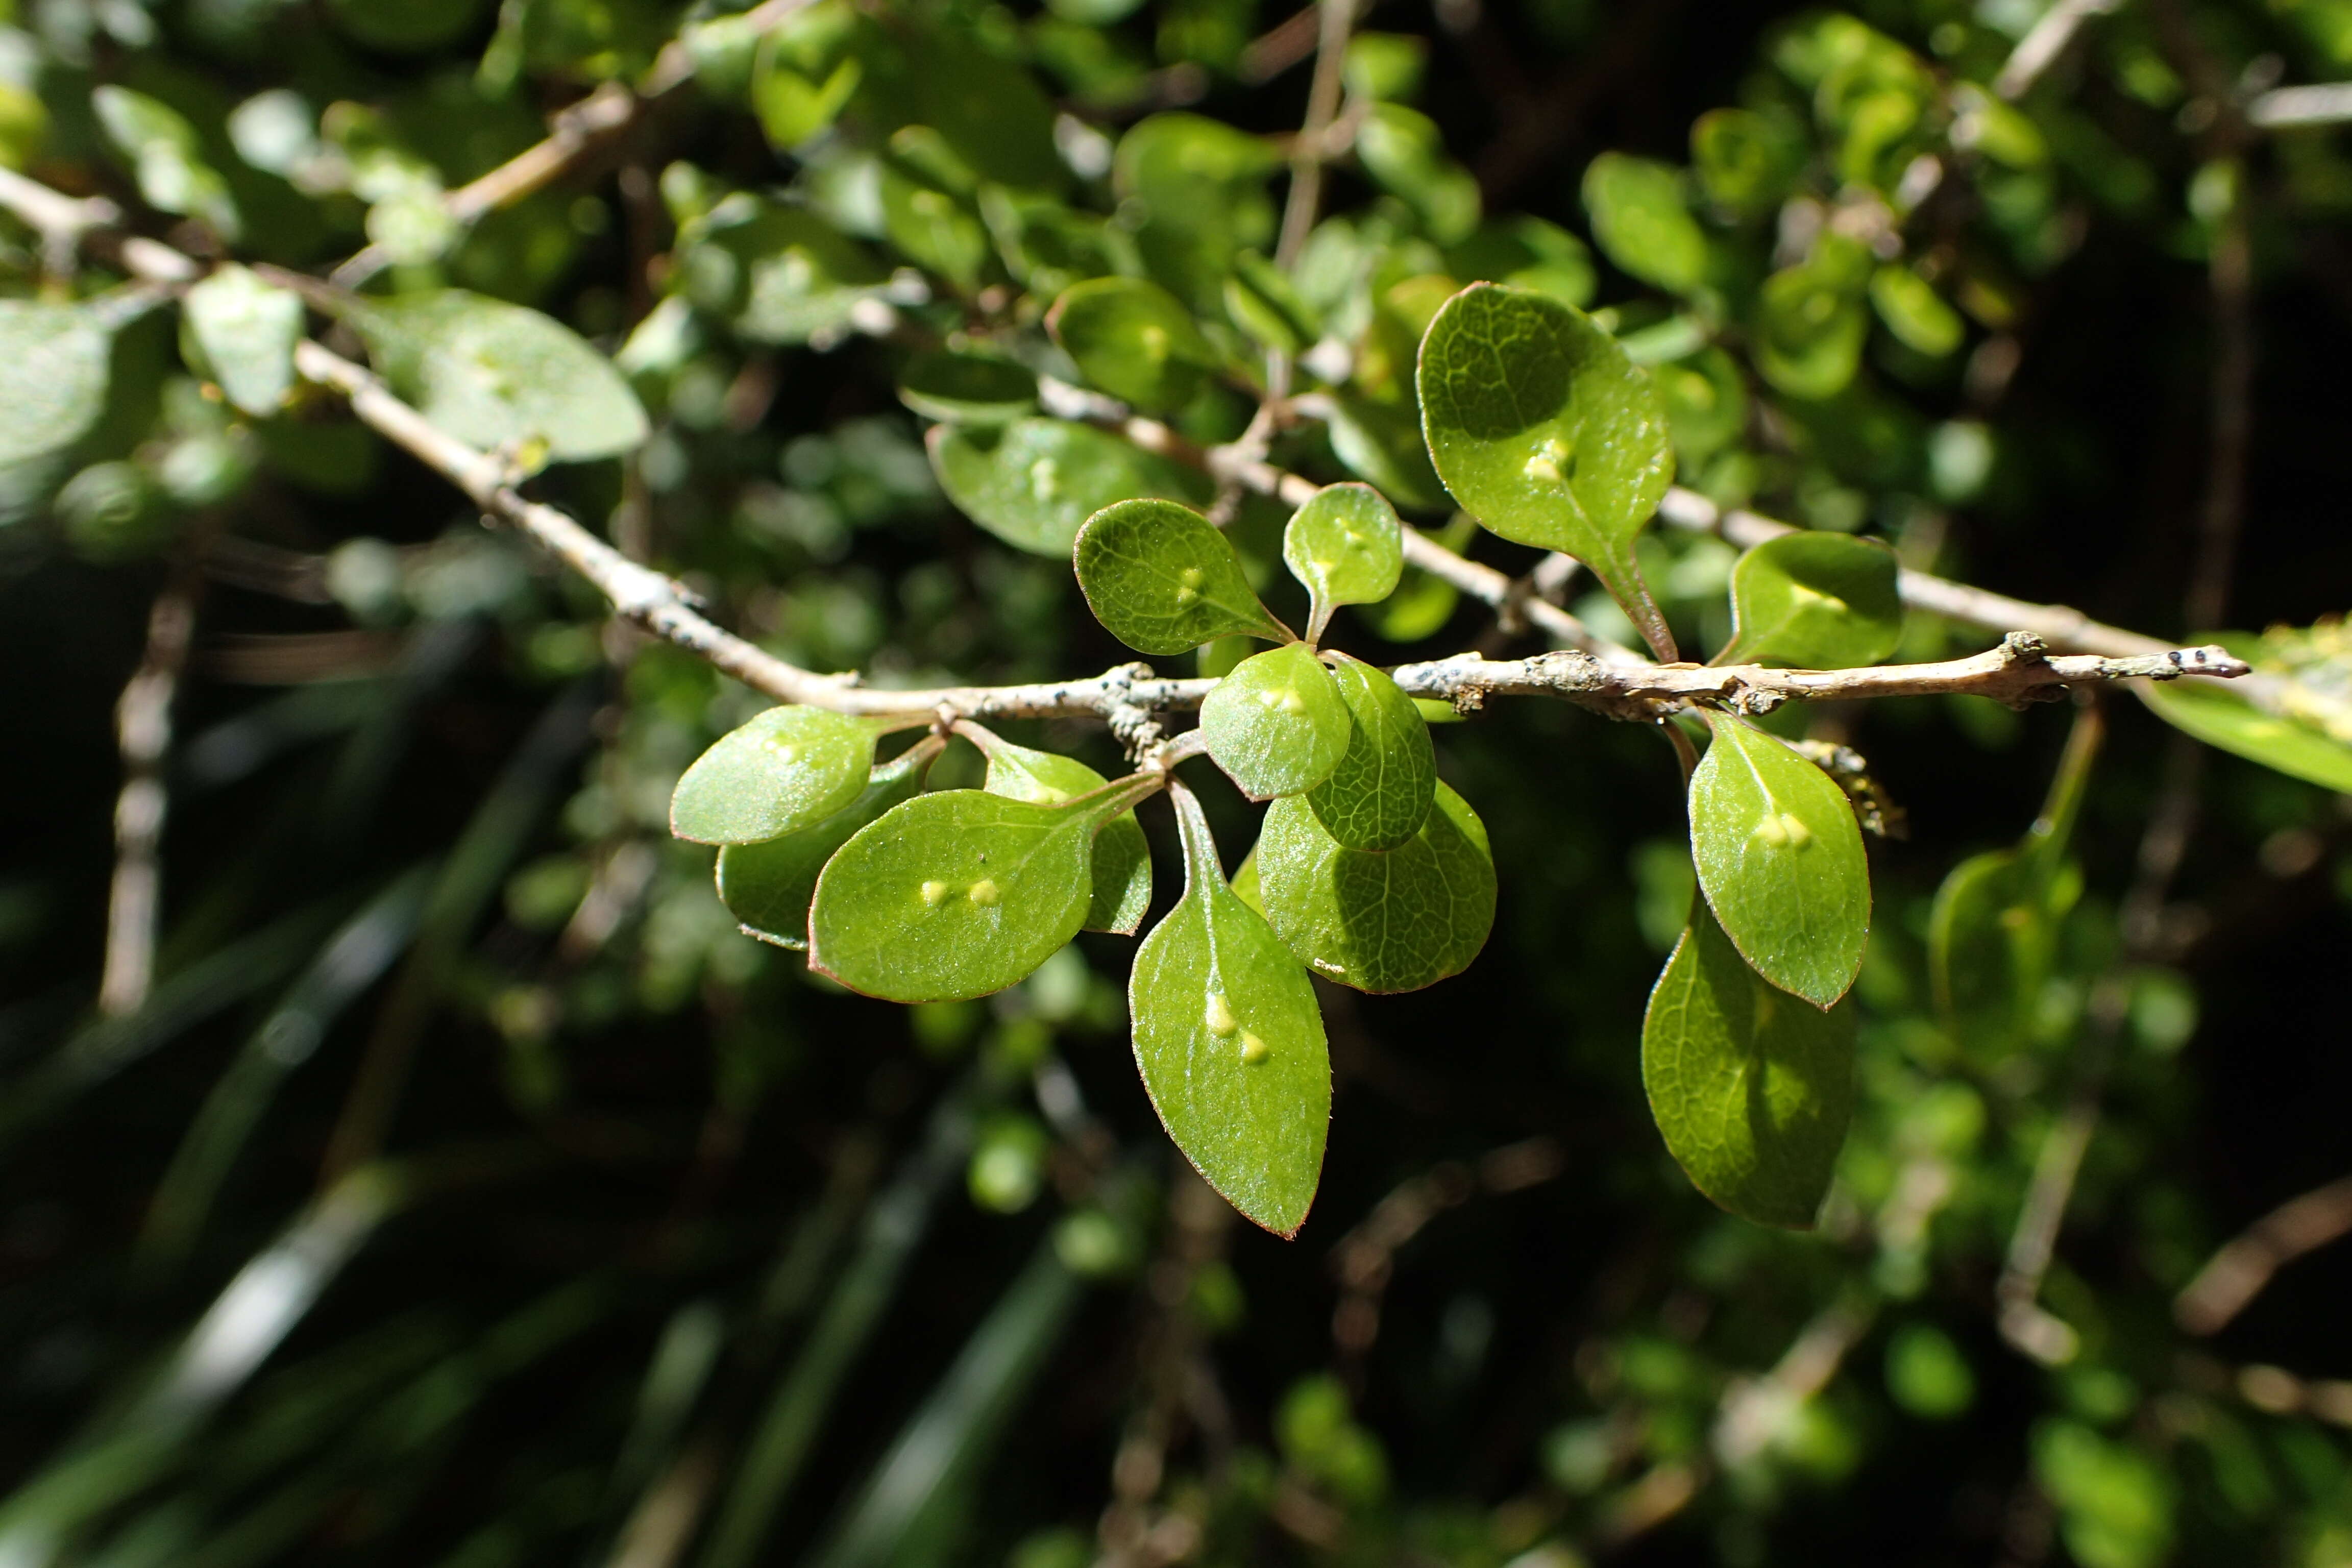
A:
[(467, 1190)]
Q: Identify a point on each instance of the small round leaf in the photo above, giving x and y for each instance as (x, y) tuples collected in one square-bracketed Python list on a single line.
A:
[(968, 389), (1379, 795), (1346, 547), (1134, 339), (790, 768), (1380, 921), (1277, 724), (1035, 482), (1162, 581), (1122, 860), (53, 371), (767, 886), (1814, 600)]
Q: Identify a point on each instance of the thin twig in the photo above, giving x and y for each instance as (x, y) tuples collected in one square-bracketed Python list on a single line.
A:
[(1308, 156), (2236, 1274), (2045, 42), (142, 721), (2282, 107)]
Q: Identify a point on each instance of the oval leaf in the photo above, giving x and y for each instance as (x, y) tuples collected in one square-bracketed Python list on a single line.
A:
[(1814, 600), (1782, 861), (788, 769), (53, 368), (1277, 724), (956, 895), (1542, 427), (497, 375), (1122, 859), (1392, 921), (2220, 718), (1034, 483), (968, 389), (245, 331), (1134, 339), (1164, 582), (1379, 795), (767, 887), (1230, 1043), (1642, 222), (1752, 1091), (1346, 547)]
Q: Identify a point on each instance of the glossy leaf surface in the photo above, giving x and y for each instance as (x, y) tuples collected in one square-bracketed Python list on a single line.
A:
[(1541, 427), (1379, 795), (497, 375), (1814, 600), (1780, 859), (968, 389), (53, 369), (1035, 482), (1277, 724), (2223, 719), (767, 886), (1164, 582), (1230, 1043), (246, 331), (1122, 860), (1134, 339), (1380, 921), (955, 895), (1752, 1089), (788, 769), (1346, 547)]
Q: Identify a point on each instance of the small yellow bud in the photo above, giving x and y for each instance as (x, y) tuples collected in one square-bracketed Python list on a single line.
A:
[(983, 893), (1254, 1050), (933, 892), (1220, 1019)]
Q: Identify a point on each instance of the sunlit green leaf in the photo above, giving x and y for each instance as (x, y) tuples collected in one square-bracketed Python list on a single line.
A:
[(1346, 547), (1134, 339), (957, 894), (497, 375), (788, 769), (969, 389), (1642, 222), (1915, 312), (1264, 304), (777, 274), (1747, 160), (1810, 328), (1780, 859), (166, 155), (927, 207), (2218, 716), (244, 332), (1381, 443), (1164, 582), (1707, 403), (53, 371), (1277, 724), (1404, 152), (1122, 860), (1814, 600), (1200, 186), (1379, 795), (767, 886), (1751, 1087), (805, 72), (1527, 252), (1231, 1043), (1035, 482), (1545, 431), (1392, 921)]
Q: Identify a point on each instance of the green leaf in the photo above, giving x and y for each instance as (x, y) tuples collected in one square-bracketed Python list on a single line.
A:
[(1122, 860), (805, 72), (958, 894), (968, 389), (1164, 582), (53, 373), (1814, 600), (1642, 222), (1527, 253), (1200, 186), (244, 332), (1752, 1091), (497, 375), (1346, 547), (927, 207), (1404, 152), (1378, 797), (2218, 716), (1747, 161), (788, 769), (1263, 303), (1134, 339), (1780, 859), (1277, 724), (1382, 922), (1381, 443), (1810, 332), (1034, 483), (1230, 1043), (1915, 312), (1544, 429), (777, 274), (166, 155), (768, 886), (1707, 404)]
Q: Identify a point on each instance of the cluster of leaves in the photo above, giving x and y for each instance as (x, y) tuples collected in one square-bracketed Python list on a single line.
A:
[(959, 213)]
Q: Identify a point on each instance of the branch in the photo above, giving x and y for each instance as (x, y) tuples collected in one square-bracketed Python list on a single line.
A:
[(1335, 17), (2325, 104), (2045, 42), (575, 134), (2235, 1275), (143, 729)]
